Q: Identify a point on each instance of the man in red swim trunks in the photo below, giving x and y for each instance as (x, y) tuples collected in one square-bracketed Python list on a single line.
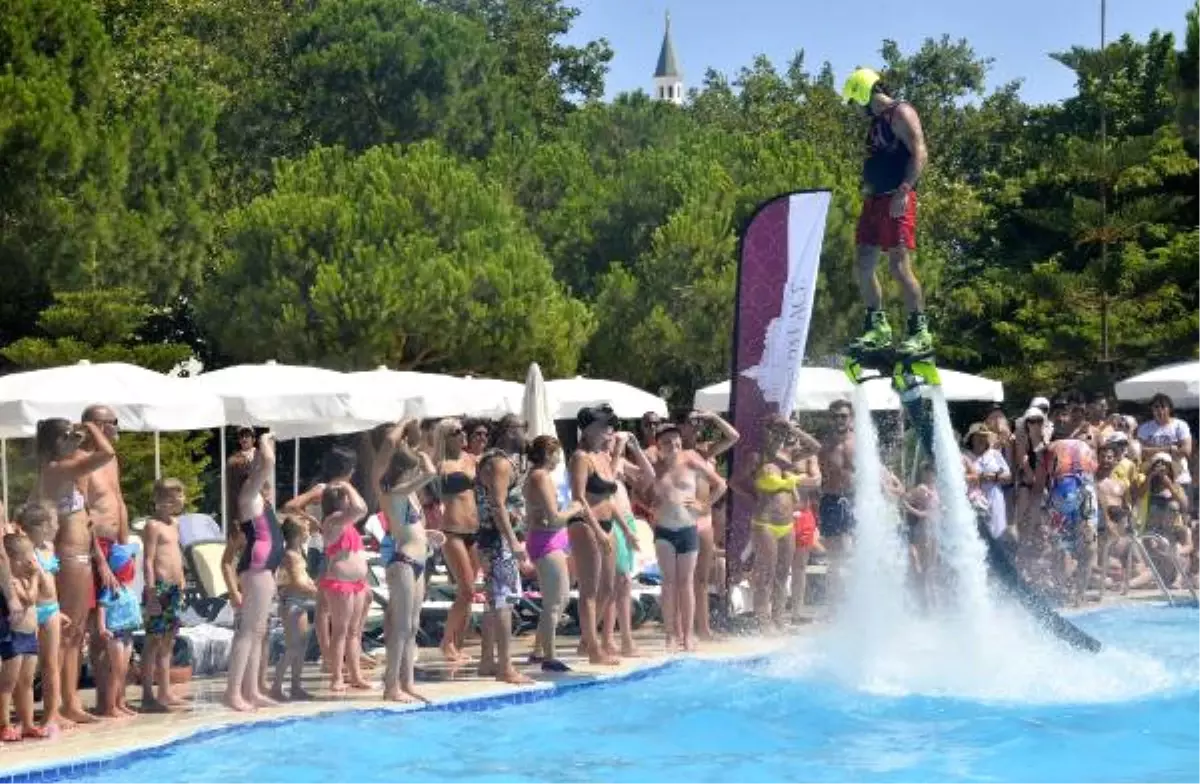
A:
[(896, 156)]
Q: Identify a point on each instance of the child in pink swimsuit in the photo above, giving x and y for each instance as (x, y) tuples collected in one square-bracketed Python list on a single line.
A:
[(345, 581)]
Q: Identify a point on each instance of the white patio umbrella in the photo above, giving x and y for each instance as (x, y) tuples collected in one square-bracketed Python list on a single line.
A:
[(568, 395), (141, 399), (424, 395), (819, 387), (964, 387), (1179, 381), (494, 397), (294, 401)]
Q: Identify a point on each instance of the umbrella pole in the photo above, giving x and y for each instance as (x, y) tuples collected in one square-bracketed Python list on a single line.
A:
[(157, 456), (4, 468), (224, 504), (296, 468)]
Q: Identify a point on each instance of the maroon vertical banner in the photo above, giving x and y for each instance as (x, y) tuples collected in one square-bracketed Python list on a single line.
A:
[(779, 254)]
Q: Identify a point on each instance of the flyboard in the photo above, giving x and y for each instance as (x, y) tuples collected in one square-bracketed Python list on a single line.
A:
[(909, 375)]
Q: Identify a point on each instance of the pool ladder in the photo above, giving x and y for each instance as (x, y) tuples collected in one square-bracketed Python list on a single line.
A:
[(1180, 566)]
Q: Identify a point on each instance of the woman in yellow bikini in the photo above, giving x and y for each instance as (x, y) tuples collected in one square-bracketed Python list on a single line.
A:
[(775, 482)]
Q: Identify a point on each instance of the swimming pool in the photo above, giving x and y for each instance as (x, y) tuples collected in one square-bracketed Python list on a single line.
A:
[(1129, 713)]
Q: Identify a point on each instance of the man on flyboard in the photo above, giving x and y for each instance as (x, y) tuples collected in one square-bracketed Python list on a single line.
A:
[(896, 156)]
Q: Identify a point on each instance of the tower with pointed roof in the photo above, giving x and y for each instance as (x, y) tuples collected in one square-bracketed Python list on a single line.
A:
[(668, 79)]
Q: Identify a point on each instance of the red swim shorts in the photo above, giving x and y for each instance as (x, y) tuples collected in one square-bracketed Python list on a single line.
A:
[(877, 228), (806, 529)]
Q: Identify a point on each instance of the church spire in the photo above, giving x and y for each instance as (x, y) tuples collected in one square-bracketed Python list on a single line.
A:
[(668, 79)]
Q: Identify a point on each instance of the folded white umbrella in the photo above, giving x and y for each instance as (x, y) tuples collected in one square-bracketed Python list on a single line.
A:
[(1179, 381), (142, 399), (539, 421), (568, 395), (535, 408)]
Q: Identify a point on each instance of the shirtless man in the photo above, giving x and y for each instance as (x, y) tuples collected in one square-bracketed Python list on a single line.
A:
[(110, 525), (1079, 428), (1068, 472), (836, 511), (1097, 417)]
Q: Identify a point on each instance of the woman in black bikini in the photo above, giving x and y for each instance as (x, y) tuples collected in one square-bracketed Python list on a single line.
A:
[(591, 534), (460, 524)]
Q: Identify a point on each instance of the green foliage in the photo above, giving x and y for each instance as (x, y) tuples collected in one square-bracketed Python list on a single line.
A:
[(371, 72), (437, 185), (408, 258), (546, 73), (104, 326)]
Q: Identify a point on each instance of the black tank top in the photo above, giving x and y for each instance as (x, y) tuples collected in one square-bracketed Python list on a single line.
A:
[(887, 156)]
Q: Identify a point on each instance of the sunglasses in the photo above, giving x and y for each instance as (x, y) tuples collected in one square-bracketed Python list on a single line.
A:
[(458, 431), (112, 421), (478, 433)]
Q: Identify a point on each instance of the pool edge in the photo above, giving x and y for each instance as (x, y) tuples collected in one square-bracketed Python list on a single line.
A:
[(499, 697)]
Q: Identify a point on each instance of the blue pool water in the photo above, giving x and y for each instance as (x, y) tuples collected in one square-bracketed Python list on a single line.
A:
[(1128, 714)]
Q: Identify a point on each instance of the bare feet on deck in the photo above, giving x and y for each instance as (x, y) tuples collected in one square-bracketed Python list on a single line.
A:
[(418, 696), (114, 713), (452, 654), (75, 716), (404, 696), (237, 703), (511, 675), (263, 701), (62, 723)]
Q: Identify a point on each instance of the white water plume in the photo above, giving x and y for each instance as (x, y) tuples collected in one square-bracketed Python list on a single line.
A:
[(874, 603), (962, 555), (971, 644)]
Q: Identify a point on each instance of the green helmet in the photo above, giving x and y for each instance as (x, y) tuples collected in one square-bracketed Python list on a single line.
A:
[(857, 88)]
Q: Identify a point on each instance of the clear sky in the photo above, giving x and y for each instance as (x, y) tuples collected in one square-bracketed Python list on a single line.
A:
[(727, 34)]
